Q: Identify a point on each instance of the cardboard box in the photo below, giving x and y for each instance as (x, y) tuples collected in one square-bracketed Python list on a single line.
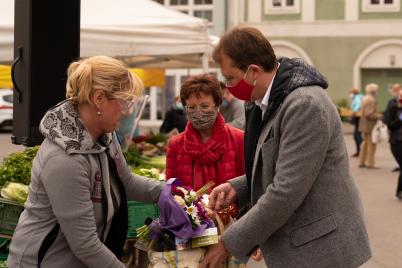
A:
[(207, 238)]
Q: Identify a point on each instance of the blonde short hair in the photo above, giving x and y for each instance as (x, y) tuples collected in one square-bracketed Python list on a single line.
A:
[(371, 88), (86, 76)]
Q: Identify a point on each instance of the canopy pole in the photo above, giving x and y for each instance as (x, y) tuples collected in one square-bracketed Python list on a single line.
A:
[(205, 62), (128, 140), (205, 56)]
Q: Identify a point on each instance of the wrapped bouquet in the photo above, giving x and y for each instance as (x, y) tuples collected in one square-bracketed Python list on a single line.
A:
[(183, 222), (185, 227)]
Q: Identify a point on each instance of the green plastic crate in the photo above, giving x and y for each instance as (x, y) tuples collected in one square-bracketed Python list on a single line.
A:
[(137, 213), (10, 212), (4, 245)]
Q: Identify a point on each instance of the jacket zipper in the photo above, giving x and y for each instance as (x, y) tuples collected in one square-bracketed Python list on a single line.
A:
[(104, 204)]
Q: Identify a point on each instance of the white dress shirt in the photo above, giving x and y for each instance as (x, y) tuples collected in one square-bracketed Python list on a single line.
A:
[(263, 104)]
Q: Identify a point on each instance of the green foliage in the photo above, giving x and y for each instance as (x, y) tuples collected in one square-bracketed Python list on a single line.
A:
[(157, 138), (17, 167), (342, 103), (134, 157)]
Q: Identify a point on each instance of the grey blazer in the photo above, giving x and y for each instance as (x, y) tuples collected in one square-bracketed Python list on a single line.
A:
[(306, 210)]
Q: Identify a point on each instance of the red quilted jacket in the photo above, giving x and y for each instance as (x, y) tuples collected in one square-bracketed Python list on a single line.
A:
[(195, 163)]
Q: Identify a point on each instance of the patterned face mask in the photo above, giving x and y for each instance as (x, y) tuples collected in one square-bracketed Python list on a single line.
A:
[(202, 120)]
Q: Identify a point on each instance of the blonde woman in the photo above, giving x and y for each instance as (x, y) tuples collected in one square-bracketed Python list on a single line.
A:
[(76, 212)]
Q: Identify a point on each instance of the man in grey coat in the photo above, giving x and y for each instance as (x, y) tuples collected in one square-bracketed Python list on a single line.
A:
[(305, 209)]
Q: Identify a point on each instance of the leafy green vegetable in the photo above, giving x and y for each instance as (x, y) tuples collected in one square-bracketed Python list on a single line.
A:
[(152, 173), (15, 191), (3, 263), (158, 162), (157, 138), (134, 157), (17, 166)]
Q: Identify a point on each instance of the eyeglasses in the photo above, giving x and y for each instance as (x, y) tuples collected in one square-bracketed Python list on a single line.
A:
[(229, 80), (126, 105), (203, 107)]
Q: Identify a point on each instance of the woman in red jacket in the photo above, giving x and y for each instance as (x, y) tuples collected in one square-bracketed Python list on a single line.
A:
[(208, 149)]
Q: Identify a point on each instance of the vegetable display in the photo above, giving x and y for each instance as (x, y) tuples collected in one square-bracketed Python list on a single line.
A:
[(17, 167), (15, 191)]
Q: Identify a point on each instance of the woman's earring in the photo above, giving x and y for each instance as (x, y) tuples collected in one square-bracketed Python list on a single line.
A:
[(98, 113)]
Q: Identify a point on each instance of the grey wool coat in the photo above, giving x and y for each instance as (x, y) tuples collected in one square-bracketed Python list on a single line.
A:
[(306, 210)]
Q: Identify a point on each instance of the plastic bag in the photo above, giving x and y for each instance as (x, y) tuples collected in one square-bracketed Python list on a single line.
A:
[(379, 133), (176, 258)]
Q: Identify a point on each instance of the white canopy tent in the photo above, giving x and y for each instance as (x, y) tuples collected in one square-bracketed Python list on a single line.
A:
[(140, 32)]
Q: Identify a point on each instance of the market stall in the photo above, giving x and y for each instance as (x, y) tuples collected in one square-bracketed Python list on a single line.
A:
[(141, 32)]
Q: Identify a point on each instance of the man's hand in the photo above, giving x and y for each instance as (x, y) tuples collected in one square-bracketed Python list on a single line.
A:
[(257, 255), (214, 257), (222, 196)]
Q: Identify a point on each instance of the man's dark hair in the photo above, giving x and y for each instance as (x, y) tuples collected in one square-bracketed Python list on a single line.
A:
[(245, 46)]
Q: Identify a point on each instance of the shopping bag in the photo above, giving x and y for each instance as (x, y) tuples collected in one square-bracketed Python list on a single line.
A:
[(176, 258), (379, 132)]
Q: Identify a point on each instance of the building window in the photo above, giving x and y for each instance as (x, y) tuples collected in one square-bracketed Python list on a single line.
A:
[(282, 6), (155, 106), (178, 2), (197, 8), (381, 5), (204, 14), (203, 2)]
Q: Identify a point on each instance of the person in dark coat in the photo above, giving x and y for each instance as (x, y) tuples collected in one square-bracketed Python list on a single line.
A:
[(355, 107), (232, 109), (393, 120), (392, 102), (175, 118)]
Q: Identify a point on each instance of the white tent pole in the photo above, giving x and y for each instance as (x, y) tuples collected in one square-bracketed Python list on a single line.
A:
[(205, 62), (129, 139), (205, 56)]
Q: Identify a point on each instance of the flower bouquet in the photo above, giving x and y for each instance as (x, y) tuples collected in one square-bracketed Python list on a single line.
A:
[(183, 222)]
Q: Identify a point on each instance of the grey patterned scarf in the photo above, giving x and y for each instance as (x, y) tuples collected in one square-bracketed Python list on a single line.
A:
[(62, 125)]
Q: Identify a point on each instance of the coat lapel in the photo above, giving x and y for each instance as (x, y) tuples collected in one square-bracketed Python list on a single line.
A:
[(264, 136)]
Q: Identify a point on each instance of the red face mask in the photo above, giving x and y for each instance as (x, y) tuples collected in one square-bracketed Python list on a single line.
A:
[(242, 90)]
